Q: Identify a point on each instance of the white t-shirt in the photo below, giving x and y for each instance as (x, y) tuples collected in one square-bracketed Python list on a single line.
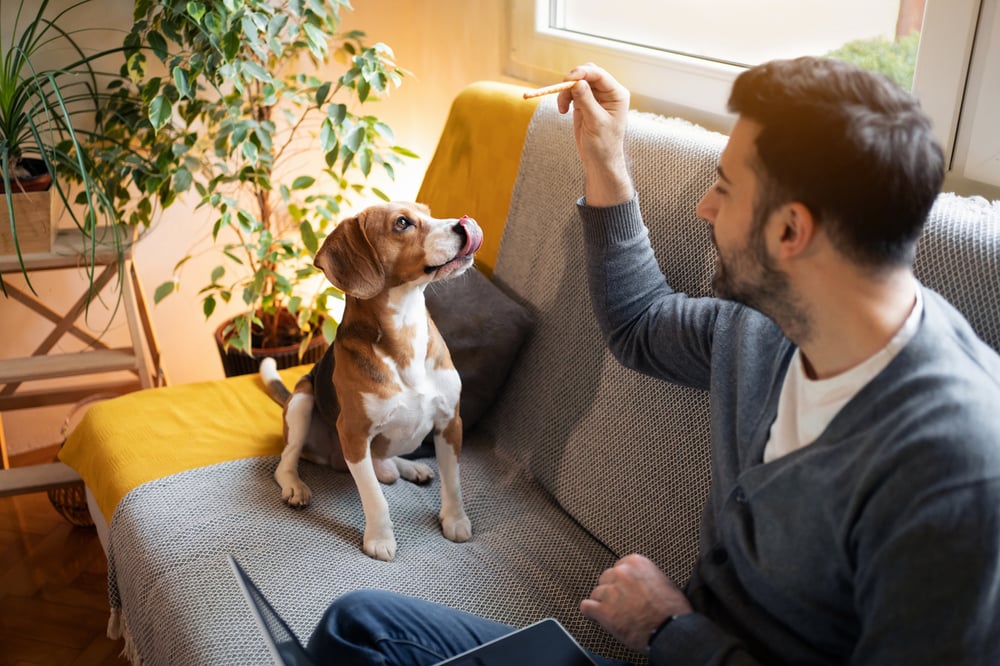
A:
[(806, 406)]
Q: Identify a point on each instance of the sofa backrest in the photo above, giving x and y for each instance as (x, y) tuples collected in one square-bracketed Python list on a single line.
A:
[(626, 455), (958, 256)]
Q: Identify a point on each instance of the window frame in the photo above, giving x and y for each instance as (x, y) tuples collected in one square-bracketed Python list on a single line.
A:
[(948, 69)]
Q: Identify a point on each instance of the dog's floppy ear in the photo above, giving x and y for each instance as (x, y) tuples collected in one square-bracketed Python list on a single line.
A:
[(350, 262)]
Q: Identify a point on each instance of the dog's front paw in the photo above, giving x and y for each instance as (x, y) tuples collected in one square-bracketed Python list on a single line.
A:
[(295, 492), (415, 472), (456, 528), (380, 547)]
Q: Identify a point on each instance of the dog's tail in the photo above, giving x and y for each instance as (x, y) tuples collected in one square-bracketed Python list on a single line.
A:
[(272, 381)]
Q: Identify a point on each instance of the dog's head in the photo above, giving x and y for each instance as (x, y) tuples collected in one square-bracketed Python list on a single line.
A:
[(398, 243)]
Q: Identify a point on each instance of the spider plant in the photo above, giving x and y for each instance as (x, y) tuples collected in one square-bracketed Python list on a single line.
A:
[(48, 117)]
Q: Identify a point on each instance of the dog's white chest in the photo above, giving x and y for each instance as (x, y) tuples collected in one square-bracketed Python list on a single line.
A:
[(425, 394), (407, 416)]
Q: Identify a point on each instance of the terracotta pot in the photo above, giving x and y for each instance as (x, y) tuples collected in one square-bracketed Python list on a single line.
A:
[(39, 181), (236, 362)]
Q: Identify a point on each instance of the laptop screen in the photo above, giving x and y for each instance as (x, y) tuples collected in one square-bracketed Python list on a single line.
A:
[(281, 641)]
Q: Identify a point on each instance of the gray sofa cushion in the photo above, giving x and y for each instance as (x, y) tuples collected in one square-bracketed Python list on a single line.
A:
[(484, 329), (170, 537)]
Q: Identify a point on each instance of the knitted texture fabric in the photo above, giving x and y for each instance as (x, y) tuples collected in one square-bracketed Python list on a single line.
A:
[(958, 255)]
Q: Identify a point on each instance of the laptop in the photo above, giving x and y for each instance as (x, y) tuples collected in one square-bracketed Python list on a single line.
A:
[(544, 643)]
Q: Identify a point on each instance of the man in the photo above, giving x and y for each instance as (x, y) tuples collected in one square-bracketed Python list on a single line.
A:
[(854, 514)]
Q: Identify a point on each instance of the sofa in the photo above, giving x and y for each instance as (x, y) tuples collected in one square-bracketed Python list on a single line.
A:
[(574, 461)]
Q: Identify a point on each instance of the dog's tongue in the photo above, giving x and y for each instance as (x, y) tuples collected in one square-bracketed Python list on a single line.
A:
[(473, 236)]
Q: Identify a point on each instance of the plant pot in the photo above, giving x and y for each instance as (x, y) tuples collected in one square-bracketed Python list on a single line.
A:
[(33, 200), (236, 362)]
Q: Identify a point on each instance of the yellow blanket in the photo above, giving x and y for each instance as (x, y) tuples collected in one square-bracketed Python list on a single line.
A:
[(125, 442)]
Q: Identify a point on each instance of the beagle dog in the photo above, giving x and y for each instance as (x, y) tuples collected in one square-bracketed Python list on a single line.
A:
[(388, 379)]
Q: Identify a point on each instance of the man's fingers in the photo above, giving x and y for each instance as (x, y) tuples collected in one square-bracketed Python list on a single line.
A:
[(592, 610)]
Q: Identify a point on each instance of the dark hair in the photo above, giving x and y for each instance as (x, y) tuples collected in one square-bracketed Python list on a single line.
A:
[(850, 145)]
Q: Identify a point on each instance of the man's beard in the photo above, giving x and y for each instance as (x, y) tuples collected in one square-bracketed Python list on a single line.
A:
[(748, 276)]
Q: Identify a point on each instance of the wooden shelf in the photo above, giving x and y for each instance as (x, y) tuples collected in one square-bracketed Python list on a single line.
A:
[(33, 368), (70, 250), (67, 395), (35, 478)]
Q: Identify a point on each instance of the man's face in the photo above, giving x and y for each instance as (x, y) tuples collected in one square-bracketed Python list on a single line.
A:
[(744, 269)]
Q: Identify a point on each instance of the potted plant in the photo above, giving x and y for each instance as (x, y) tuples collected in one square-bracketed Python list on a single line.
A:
[(48, 117), (230, 113)]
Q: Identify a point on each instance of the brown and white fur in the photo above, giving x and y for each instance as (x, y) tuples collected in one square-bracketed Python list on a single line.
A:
[(388, 379)]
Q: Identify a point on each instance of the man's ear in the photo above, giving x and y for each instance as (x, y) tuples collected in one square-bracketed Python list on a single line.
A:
[(795, 232), (349, 260)]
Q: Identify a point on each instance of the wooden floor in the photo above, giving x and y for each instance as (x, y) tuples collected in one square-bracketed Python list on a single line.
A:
[(53, 585)]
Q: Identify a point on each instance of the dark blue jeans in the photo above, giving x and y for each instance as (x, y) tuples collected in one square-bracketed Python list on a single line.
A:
[(377, 627)]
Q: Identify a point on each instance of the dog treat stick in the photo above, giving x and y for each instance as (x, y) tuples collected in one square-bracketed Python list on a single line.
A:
[(548, 90)]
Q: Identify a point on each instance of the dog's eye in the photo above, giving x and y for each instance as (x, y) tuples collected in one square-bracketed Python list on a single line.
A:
[(402, 223)]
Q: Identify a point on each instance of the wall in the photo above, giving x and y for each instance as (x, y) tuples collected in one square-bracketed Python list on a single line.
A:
[(430, 38)]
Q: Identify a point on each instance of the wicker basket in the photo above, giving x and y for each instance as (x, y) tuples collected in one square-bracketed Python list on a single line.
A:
[(71, 501)]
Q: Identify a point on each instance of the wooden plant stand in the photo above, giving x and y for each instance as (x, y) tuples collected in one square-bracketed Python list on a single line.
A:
[(142, 358)]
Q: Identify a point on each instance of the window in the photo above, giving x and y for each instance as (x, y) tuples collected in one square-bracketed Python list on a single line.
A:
[(679, 57)]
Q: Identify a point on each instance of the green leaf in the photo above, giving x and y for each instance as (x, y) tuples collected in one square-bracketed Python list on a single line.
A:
[(182, 180), (160, 110), (383, 130), (158, 44), (255, 70), (399, 150), (329, 329), (246, 221), (327, 136), (302, 182), (208, 306), (317, 38), (213, 23), (309, 238), (196, 10), (164, 290), (243, 338), (322, 93), (337, 113), (231, 45), (217, 273), (181, 81), (354, 139), (276, 24), (250, 152)]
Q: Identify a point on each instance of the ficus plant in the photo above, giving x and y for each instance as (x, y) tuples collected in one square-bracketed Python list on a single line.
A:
[(226, 98)]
